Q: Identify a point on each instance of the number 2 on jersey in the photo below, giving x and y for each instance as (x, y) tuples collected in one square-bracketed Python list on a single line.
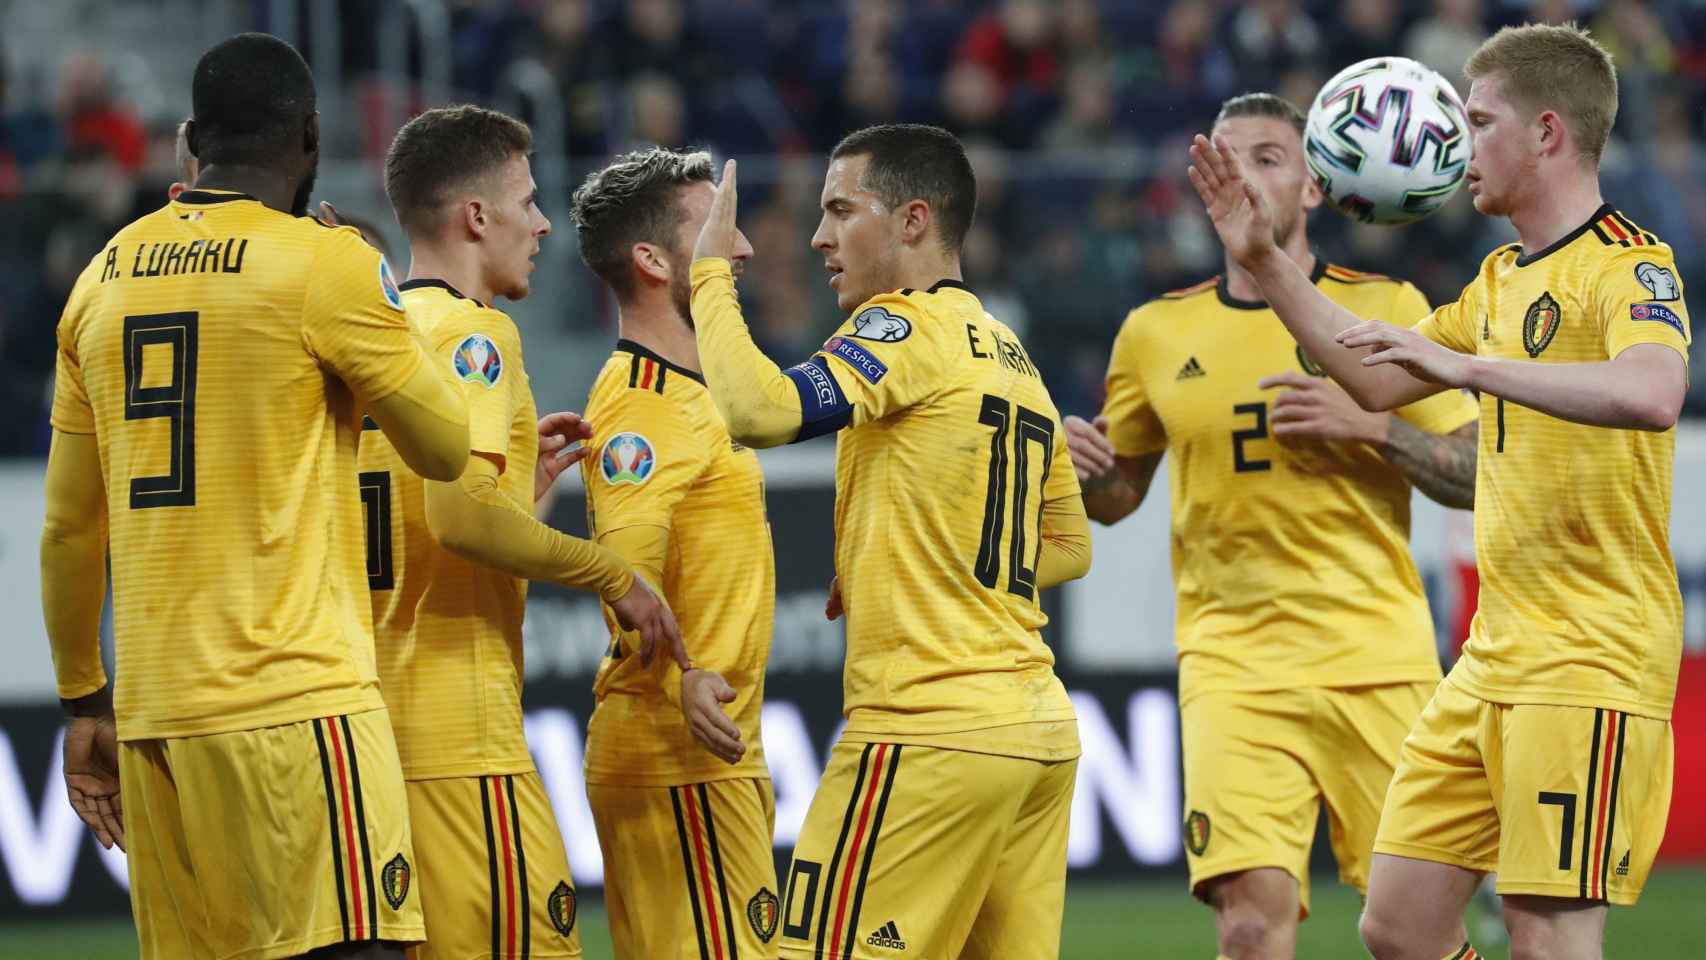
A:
[(173, 335), (1030, 426)]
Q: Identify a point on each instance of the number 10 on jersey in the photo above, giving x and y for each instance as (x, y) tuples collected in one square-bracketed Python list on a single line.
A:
[(1025, 427)]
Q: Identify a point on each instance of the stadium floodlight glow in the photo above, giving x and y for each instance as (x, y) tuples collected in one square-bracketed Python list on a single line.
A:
[(1387, 140)]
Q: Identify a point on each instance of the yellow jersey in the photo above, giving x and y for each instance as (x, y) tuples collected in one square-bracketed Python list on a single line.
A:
[(1291, 559), (447, 629), (217, 349), (665, 459), (1579, 601), (949, 449)]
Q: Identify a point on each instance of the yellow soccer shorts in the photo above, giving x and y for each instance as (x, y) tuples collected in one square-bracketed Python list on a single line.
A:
[(494, 876), (1258, 766), (271, 842), (1559, 801), (920, 852), (689, 871)]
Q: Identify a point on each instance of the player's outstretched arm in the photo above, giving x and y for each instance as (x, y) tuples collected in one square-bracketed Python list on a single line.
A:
[(74, 580), (1245, 226), (471, 518), (759, 403)]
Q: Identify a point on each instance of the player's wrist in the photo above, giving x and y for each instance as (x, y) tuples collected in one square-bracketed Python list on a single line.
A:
[(97, 704)]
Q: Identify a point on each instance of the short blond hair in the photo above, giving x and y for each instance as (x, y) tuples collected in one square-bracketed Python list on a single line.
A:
[(1557, 68)]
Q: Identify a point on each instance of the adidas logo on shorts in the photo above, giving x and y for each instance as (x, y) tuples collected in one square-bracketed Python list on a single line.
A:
[(1623, 865), (888, 936)]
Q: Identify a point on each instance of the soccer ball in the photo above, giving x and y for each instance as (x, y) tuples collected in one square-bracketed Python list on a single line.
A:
[(1387, 140)]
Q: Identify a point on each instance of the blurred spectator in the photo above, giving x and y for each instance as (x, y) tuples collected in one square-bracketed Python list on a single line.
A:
[(1640, 43), (1086, 118), (1365, 28), (92, 116), (1186, 75), (567, 43), (1445, 40), (1270, 36), (27, 136), (657, 112), (1016, 47)]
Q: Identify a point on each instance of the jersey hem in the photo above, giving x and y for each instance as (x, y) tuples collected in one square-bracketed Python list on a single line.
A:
[(363, 702), (468, 771), (1378, 679), (1554, 698), (661, 781), (969, 726)]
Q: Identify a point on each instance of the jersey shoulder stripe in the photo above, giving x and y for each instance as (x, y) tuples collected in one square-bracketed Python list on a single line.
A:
[(1347, 275), (649, 371), (1192, 290), (1616, 229)]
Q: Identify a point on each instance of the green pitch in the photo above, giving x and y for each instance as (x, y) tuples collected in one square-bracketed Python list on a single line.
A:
[(1104, 921)]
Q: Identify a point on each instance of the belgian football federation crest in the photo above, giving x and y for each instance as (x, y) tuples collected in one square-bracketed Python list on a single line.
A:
[(1308, 363), (561, 907), (1196, 832), (762, 911), (395, 879), (477, 360), (627, 458), (1540, 324)]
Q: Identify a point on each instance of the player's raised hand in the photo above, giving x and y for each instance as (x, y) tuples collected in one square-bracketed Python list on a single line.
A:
[(832, 608), (717, 237), (703, 694), (1315, 408), (1420, 357), (1239, 211), (560, 447), (1092, 452), (91, 776), (641, 610)]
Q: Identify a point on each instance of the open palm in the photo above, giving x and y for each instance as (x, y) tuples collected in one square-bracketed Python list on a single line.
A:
[(1238, 210)]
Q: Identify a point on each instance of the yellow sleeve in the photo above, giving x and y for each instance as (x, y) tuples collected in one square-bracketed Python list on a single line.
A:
[(74, 562), (472, 518), (1442, 412), (1133, 425), (883, 359), (72, 412), (480, 351), (1637, 298), (648, 457), (646, 548), (353, 321), (759, 403), (1065, 550), (1450, 325)]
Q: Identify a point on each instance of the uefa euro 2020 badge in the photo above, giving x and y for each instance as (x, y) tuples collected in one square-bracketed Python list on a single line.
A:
[(477, 360), (627, 458)]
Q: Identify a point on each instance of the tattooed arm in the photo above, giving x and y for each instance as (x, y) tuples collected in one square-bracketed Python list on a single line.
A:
[(1440, 465)]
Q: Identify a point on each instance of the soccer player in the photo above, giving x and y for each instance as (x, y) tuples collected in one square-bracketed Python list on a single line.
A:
[(214, 361), (1545, 755), (686, 830), (1304, 683), (448, 563), (939, 828)]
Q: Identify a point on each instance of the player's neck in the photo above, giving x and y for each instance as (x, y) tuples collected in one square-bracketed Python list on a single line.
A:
[(459, 268), (921, 270), (1241, 286), (1552, 213), (657, 326), (271, 187)]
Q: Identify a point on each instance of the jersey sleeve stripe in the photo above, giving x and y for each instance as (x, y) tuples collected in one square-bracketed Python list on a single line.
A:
[(492, 868), (520, 867), (1588, 807), (871, 848), (841, 846), (687, 866), (1611, 819), (361, 825), (1638, 236), (332, 815), (717, 867)]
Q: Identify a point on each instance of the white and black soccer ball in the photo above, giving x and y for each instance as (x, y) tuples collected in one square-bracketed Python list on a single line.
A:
[(1387, 140)]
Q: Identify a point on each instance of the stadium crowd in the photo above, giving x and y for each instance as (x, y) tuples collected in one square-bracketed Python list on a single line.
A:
[(1077, 113)]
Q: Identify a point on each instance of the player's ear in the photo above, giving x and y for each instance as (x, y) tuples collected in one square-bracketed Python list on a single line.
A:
[(1549, 132), (916, 217), (474, 218), (1311, 193), (191, 136), (651, 261)]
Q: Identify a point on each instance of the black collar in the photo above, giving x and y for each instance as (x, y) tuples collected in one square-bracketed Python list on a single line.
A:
[(1524, 259), (211, 196), (1315, 275), (439, 284), (640, 351), (937, 287)]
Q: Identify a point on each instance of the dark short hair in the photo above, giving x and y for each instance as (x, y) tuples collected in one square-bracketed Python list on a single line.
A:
[(635, 199), (1262, 105), (442, 150), (912, 161), (251, 95)]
